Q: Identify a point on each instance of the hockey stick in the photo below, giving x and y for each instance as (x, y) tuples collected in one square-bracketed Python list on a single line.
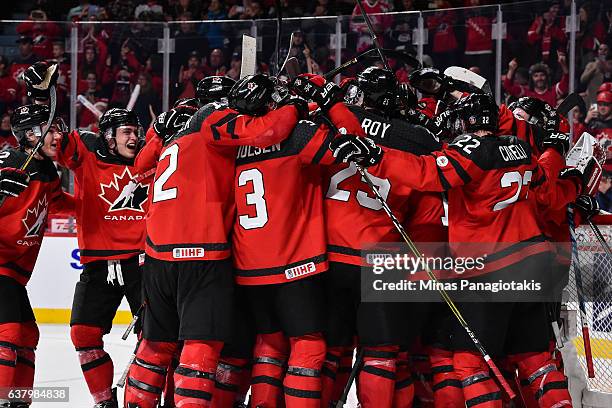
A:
[(586, 338), (287, 56), (373, 35), (445, 296), (130, 327), (349, 382), (126, 371), (570, 102), (41, 141), (279, 23), (406, 58), (600, 238), (90, 106)]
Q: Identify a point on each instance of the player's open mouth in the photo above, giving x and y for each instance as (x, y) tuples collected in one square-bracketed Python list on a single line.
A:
[(131, 146)]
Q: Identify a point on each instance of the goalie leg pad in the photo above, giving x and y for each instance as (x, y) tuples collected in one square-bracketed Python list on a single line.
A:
[(403, 396), (479, 389), (344, 371), (148, 373), (9, 339), (539, 373), (302, 384), (446, 383), (377, 376), (232, 374), (422, 375), (269, 359), (194, 378), (96, 364)]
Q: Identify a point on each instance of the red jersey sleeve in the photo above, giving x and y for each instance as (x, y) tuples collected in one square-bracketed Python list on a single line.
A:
[(72, 149), (229, 128), (342, 117), (62, 203), (442, 169), (147, 157)]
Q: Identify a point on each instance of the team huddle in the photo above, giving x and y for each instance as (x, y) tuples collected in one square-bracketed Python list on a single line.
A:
[(236, 227)]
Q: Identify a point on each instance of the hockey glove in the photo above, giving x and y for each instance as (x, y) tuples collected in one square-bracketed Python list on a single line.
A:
[(13, 181), (559, 141), (282, 97), (169, 123), (38, 79), (315, 88), (587, 174), (587, 205), (351, 148)]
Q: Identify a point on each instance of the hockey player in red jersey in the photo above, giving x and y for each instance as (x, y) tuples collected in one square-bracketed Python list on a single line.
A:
[(188, 275), (111, 230), (471, 168), (209, 89), (279, 247), (355, 218), (30, 196)]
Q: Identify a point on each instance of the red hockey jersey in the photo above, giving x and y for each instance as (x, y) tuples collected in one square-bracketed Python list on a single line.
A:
[(147, 156), (354, 216), (192, 207), (279, 233), (24, 218), (110, 211), (487, 180)]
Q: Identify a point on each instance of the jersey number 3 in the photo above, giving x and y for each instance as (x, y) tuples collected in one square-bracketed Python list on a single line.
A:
[(255, 198)]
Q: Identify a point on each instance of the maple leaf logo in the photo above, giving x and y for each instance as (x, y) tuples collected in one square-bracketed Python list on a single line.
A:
[(35, 220), (123, 194)]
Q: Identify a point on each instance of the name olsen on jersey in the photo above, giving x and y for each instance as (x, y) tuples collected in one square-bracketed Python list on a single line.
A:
[(252, 151), (512, 152), (300, 270)]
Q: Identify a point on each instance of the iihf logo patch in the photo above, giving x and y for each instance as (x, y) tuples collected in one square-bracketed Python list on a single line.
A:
[(124, 194), (35, 220)]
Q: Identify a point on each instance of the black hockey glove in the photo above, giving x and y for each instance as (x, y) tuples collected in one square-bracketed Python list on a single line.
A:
[(13, 181), (557, 140), (282, 97), (38, 79), (351, 148), (169, 123), (587, 205), (315, 88)]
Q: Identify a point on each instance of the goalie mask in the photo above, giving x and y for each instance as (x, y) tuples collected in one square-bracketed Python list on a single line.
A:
[(475, 112), (32, 118), (121, 130), (251, 95), (213, 89), (379, 87)]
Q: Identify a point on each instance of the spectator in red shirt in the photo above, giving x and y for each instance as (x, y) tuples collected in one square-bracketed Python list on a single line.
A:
[(189, 77), (548, 32), (7, 139), (92, 94), (8, 86), (478, 39), (598, 121), (539, 82), (592, 33), (442, 36), (43, 32)]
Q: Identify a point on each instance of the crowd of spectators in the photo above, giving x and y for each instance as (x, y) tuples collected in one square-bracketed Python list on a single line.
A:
[(118, 47)]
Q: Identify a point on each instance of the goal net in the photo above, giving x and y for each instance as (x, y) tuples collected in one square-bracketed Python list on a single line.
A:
[(595, 267)]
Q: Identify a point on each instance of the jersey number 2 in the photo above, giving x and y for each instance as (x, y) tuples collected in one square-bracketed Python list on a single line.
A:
[(159, 193), (255, 198)]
